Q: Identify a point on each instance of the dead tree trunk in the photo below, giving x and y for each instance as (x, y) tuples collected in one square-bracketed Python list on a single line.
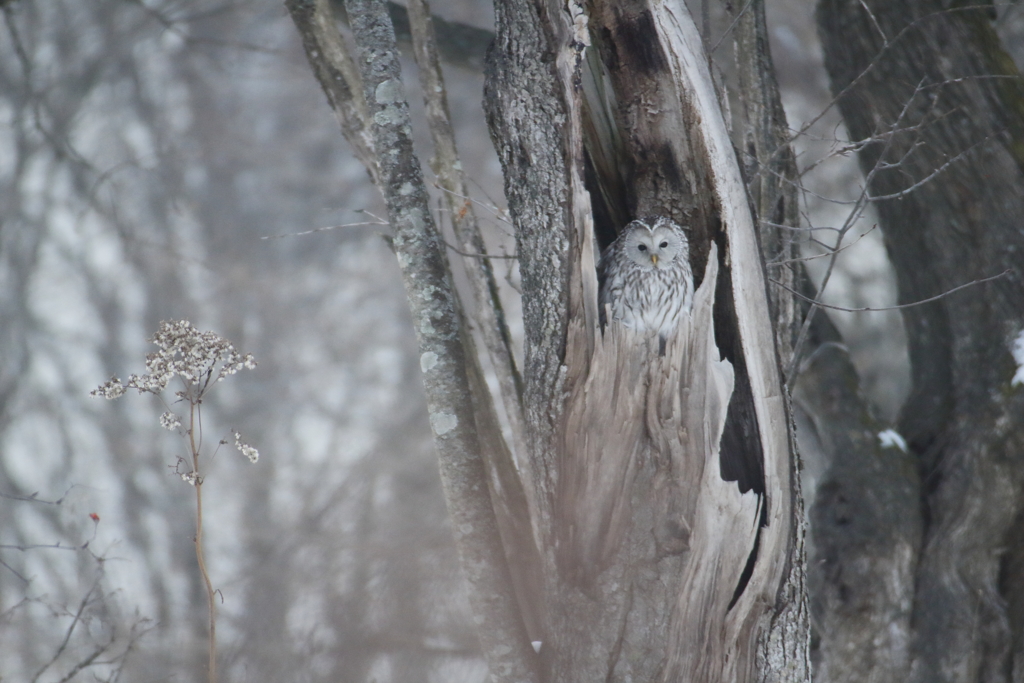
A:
[(663, 485), (652, 530), (937, 104)]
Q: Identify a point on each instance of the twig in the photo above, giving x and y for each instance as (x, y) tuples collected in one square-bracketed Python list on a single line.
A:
[(87, 662), (34, 497), (830, 251), (316, 230), (930, 176), (874, 62), (500, 214), (14, 571), (67, 635), (469, 255), (38, 546), (728, 30), (874, 21), (821, 304), (847, 224)]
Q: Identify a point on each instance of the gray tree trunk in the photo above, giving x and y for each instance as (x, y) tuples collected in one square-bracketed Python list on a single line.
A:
[(940, 102), (650, 472), (663, 538)]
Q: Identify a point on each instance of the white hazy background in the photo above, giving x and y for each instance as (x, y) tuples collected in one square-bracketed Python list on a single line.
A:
[(146, 151)]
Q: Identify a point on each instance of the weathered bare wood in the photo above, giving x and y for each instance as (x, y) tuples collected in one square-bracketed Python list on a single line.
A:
[(649, 495), (770, 166), (772, 178), (617, 510), (443, 360), (757, 337), (723, 523)]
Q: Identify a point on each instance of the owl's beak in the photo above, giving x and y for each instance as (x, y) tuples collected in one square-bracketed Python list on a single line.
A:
[(654, 259)]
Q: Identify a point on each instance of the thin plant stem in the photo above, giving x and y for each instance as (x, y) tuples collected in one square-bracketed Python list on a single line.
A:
[(200, 559)]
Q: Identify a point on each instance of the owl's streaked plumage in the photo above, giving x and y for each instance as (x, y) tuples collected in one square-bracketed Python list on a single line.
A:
[(645, 276)]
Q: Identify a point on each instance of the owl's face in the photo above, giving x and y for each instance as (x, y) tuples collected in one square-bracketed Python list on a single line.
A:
[(657, 246)]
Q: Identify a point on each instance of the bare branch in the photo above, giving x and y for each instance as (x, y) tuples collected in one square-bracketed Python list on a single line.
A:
[(443, 358), (451, 177), (324, 229), (830, 252), (483, 256), (821, 304), (874, 21), (854, 214), (875, 61), (927, 178), (732, 25), (67, 635)]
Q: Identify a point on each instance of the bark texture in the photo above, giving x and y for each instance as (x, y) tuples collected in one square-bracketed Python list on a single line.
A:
[(771, 175), (942, 102), (527, 117), (770, 167), (507, 492), (865, 526), (661, 488), (443, 359), (664, 552)]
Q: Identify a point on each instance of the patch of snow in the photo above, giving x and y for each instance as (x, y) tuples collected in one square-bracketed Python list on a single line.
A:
[(890, 438), (1018, 355)]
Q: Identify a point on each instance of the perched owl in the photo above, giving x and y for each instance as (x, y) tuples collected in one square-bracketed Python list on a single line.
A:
[(645, 276)]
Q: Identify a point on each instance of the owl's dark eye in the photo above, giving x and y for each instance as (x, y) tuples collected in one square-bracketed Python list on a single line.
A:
[(663, 245), (642, 247)]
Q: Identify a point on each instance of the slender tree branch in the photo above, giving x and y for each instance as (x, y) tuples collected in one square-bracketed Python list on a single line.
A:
[(337, 74), (67, 635), (503, 637), (451, 177), (831, 250), (927, 178), (820, 304), (862, 200), (483, 256)]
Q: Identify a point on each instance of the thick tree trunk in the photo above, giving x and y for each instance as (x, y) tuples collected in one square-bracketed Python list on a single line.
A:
[(865, 524), (664, 483), (661, 483), (942, 103)]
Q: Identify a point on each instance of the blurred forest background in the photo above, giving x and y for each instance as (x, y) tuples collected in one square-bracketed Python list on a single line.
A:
[(152, 156)]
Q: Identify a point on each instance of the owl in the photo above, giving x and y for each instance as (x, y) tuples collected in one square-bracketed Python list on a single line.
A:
[(645, 276)]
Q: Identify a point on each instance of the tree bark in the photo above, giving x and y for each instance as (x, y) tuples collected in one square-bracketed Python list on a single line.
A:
[(662, 490), (772, 181), (865, 526), (443, 358), (633, 522), (938, 103)]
